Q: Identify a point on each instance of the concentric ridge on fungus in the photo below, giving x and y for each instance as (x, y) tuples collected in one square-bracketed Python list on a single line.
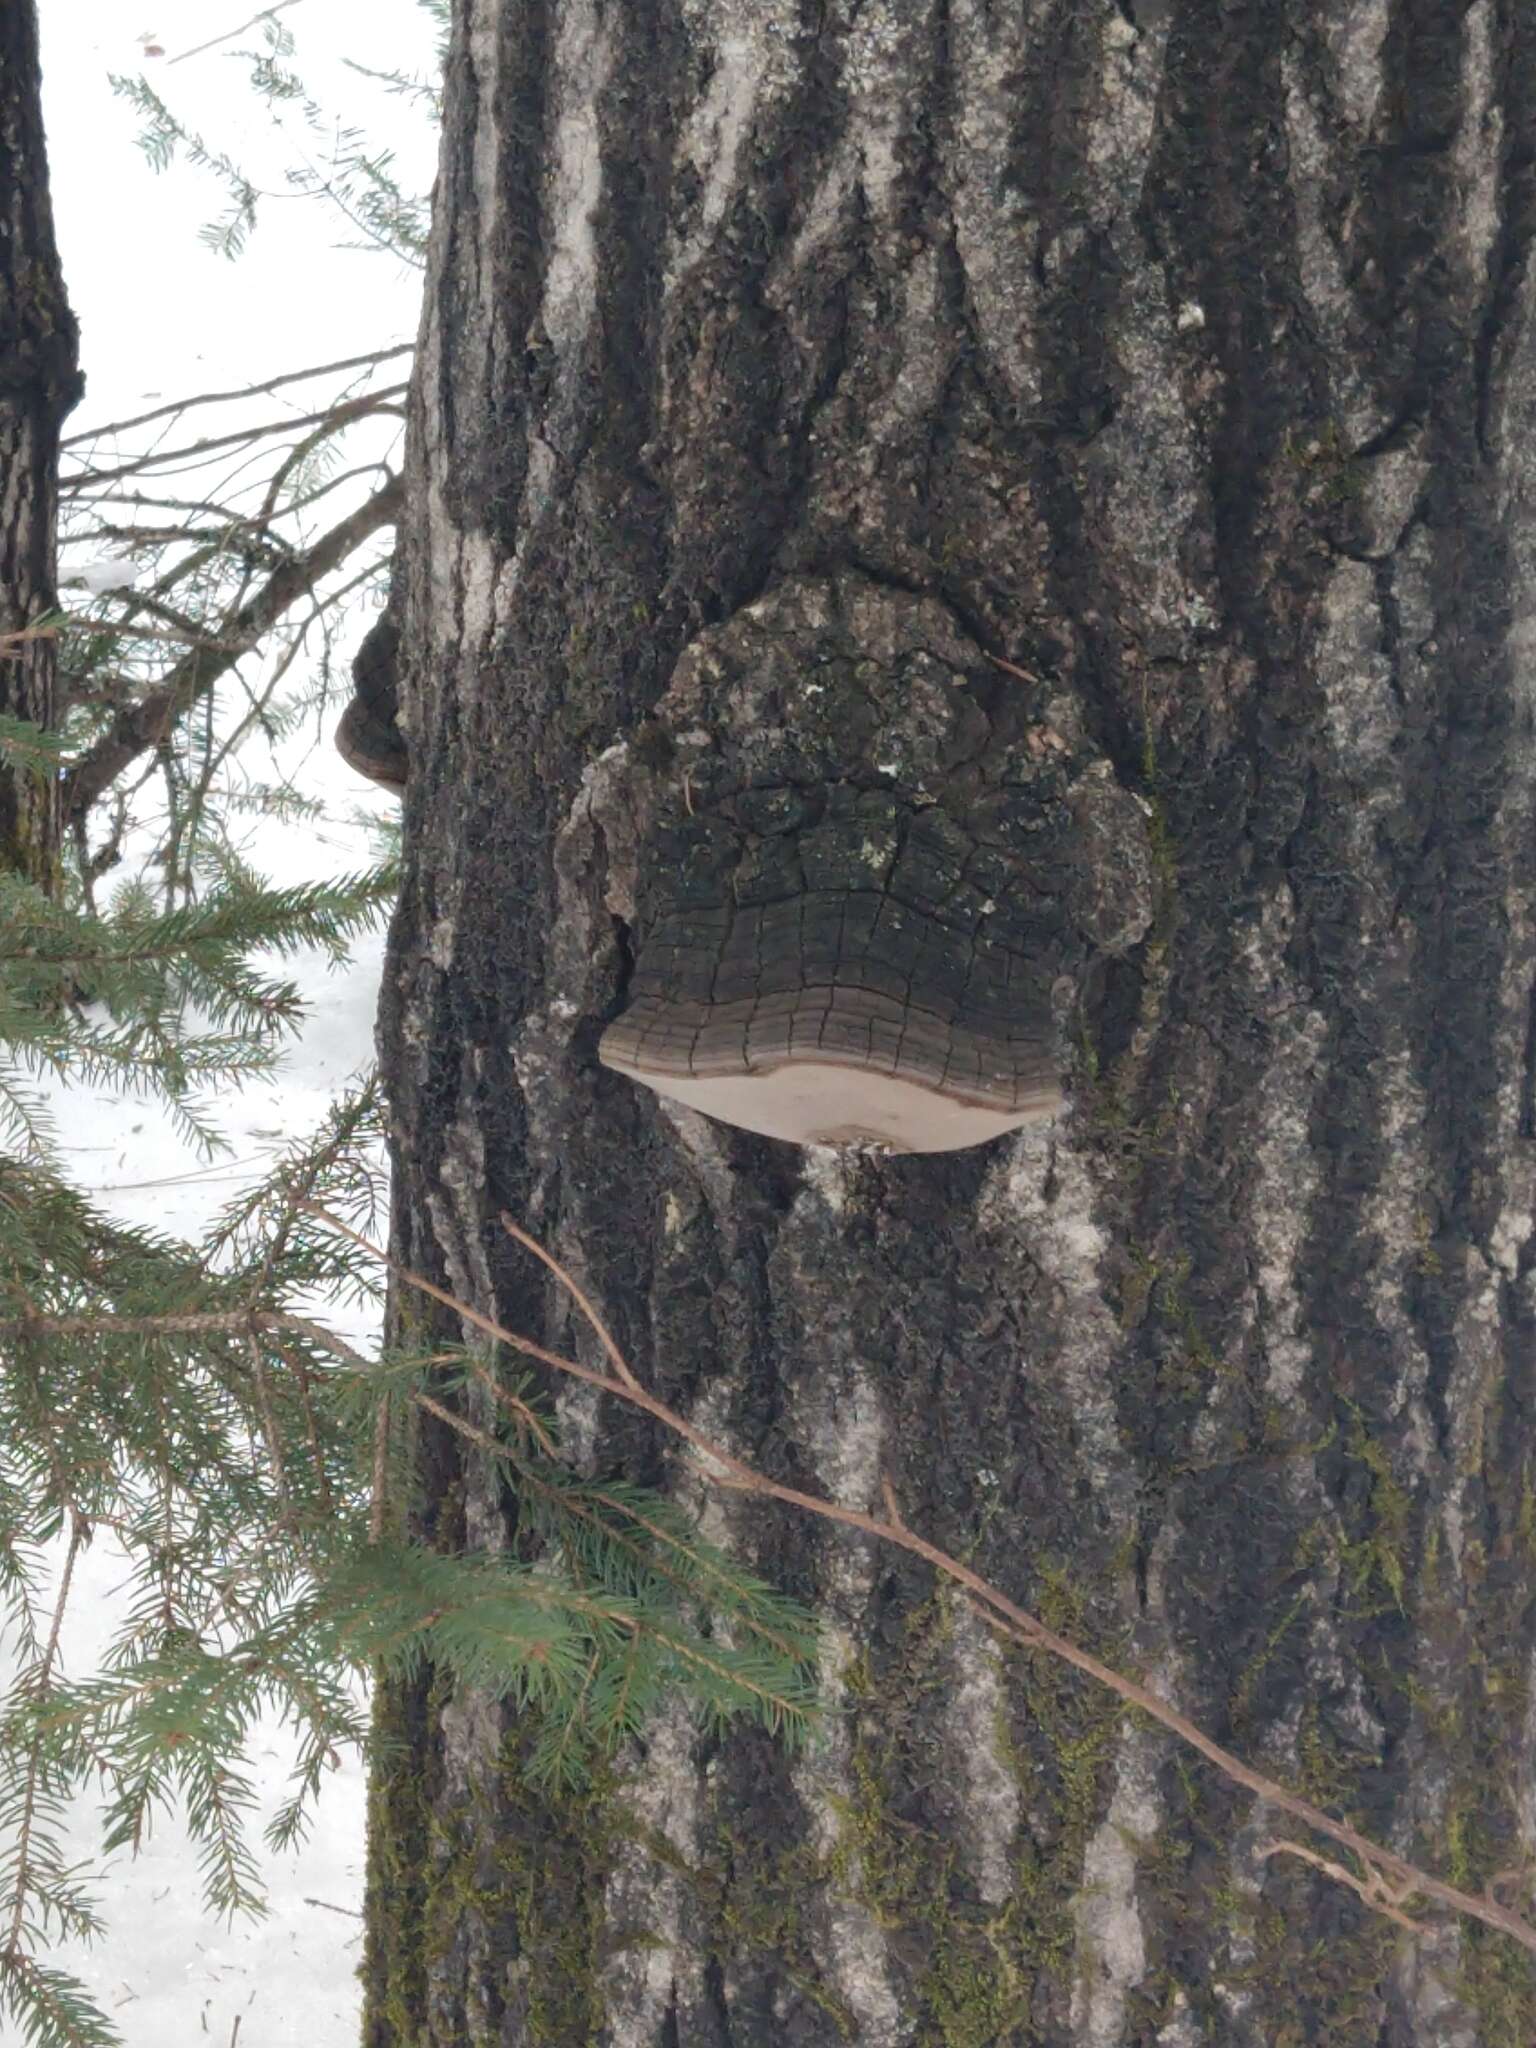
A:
[(882, 1005)]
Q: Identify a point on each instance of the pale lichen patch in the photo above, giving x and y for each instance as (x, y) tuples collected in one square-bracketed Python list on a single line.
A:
[(582, 61), (1479, 143), (643, 1978), (1042, 1190), (877, 65), (994, 237), (825, 1168), (975, 1711), (850, 1945), (479, 576), (1429, 1970), (1285, 1186), (485, 28), (1125, 111), (1478, 1369), (1357, 33), (472, 1735), (747, 52), (1330, 301), (1111, 1943)]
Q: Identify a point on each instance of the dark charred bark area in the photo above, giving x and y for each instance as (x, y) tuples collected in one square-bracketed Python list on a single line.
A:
[(39, 382), (1182, 353)]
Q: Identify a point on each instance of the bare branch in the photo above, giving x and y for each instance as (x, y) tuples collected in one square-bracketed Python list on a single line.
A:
[(181, 405), (1012, 668), (266, 14), (146, 722), (616, 1357), (339, 415)]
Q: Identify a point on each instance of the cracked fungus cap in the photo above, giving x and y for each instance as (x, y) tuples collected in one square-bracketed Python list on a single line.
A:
[(838, 1065)]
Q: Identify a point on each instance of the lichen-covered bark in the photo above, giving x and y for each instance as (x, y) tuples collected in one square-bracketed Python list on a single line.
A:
[(39, 382), (1182, 351)]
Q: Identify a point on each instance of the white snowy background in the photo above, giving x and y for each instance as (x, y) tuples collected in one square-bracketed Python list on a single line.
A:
[(161, 318)]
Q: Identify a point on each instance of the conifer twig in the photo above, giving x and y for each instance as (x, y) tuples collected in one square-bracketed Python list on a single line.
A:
[(269, 1424), (247, 1322), (40, 1681), (1392, 1877), (376, 1499)]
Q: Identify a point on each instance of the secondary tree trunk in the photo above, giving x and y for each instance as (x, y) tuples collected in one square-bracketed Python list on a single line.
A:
[(1178, 353), (39, 382)]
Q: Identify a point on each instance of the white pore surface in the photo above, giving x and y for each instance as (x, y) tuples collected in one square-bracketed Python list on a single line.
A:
[(810, 1102), (162, 318)]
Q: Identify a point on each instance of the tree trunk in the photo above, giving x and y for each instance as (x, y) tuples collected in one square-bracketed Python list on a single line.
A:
[(39, 382), (1173, 362)]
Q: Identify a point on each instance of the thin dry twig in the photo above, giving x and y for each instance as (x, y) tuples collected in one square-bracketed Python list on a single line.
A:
[(266, 14), (180, 405), (143, 724), (519, 1410), (1373, 1888), (341, 415), (1394, 1876), (50, 629), (1024, 675), (616, 1357), (461, 1426)]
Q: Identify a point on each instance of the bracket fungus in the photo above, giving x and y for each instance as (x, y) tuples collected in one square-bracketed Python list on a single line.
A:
[(875, 875), (367, 737)]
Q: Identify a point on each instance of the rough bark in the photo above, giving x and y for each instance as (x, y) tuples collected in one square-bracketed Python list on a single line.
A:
[(1182, 354), (39, 382)]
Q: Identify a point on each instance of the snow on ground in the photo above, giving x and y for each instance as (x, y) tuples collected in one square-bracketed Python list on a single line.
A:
[(161, 317), (165, 1971)]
